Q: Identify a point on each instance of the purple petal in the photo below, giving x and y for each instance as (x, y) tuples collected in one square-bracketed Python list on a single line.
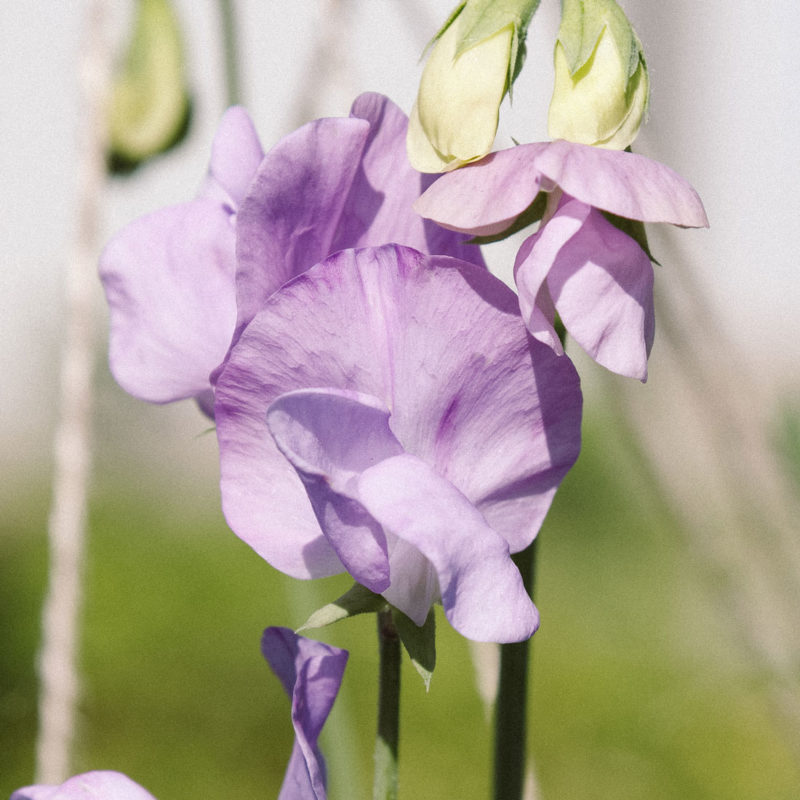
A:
[(169, 281), (484, 198), (601, 282), (481, 588), (329, 437), (288, 221), (311, 673), (626, 184), (436, 340), (235, 154), (99, 785), (380, 209)]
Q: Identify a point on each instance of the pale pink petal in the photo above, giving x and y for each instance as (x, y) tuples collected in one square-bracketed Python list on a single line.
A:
[(601, 282), (627, 184), (485, 197)]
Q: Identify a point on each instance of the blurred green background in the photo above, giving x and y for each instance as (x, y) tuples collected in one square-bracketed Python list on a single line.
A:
[(640, 687)]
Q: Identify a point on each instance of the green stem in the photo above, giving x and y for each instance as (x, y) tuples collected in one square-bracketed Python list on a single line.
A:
[(388, 709), (233, 93), (512, 702)]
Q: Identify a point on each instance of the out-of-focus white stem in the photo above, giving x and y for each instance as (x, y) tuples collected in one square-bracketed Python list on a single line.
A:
[(59, 680)]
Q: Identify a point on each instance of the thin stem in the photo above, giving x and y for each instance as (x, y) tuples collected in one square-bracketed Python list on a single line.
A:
[(233, 90), (61, 613), (385, 787), (512, 702)]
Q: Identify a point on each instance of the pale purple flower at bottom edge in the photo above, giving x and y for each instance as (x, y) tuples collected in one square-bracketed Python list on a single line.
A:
[(96, 785), (311, 673)]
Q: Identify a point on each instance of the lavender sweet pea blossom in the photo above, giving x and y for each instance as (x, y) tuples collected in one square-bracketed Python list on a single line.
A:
[(182, 280), (408, 431), (311, 673), (98, 785), (598, 279)]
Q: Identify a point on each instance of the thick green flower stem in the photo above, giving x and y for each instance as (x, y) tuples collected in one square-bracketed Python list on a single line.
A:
[(512, 702), (385, 787)]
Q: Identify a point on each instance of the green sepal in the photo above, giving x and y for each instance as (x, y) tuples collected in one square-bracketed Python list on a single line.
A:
[(419, 641), (582, 23), (356, 600), (533, 213), (150, 107)]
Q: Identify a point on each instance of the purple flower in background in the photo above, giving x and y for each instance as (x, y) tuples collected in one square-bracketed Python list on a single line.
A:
[(99, 785), (311, 673), (598, 279), (418, 434), (181, 280)]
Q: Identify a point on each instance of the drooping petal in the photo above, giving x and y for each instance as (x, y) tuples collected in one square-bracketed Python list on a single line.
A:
[(235, 154), (601, 282), (379, 209), (532, 265), (169, 282), (482, 591), (486, 197), (329, 437), (98, 785), (440, 343), (311, 673), (288, 221), (627, 184)]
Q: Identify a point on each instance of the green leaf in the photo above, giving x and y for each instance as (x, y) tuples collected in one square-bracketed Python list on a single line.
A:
[(420, 643), (357, 600), (533, 213)]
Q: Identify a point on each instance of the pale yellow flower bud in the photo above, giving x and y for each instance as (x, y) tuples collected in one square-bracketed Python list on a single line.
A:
[(471, 66), (601, 87)]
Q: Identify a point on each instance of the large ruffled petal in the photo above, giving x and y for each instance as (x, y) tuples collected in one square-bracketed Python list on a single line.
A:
[(290, 216), (601, 282), (99, 785), (169, 282), (440, 343), (311, 673)]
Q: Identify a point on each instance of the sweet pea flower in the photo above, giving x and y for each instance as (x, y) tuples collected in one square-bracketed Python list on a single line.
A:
[(387, 414), (182, 280), (98, 785), (311, 673), (596, 277)]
